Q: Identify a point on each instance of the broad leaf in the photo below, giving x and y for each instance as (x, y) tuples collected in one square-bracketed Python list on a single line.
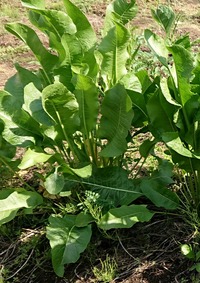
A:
[(120, 10), (157, 46), (8, 162), (83, 219), (29, 36), (131, 82), (125, 217), (15, 85), (159, 195), (146, 147), (158, 116), (62, 107), (113, 185), (113, 48), (144, 80), (87, 97), (165, 16), (35, 4), (169, 104), (85, 32), (173, 141), (33, 105), (32, 157), (164, 173), (67, 241), (54, 183), (20, 128), (11, 201), (117, 115), (184, 64)]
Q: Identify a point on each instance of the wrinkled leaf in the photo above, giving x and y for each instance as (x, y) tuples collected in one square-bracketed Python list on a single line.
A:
[(117, 115)]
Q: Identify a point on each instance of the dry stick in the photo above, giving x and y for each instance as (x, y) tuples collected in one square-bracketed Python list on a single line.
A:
[(76, 269), (128, 252), (180, 274), (22, 265)]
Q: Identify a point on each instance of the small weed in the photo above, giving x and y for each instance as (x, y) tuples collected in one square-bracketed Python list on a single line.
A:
[(7, 10), (8, 52), (108, 270)]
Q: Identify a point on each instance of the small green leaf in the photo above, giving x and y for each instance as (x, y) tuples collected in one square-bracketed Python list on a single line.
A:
[(125, 217), (83, 219), (187, 251), (54, 183)]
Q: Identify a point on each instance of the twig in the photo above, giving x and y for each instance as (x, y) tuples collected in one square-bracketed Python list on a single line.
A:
[(22, 265), (127, 251), (76, 272), (180, 274)]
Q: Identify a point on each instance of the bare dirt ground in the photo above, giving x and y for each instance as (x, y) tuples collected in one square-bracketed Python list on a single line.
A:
[(147, 253)]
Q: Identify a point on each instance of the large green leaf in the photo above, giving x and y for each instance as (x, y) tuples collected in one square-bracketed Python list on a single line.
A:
[(73, 49), (87, 96), (35, 4), (173, 141), (29, 36), (165, 16), (20, 128), (113, 185), (85, 32), (113, 48), (12, 200), (52, 21), (33, 105), (157, 46), (159, 118), (120, 10), (168, 103), (15, 85), (144, 79), (184, 64), (162, 175), (125, 217), (55, 24), (32, 157), (62, 107), (117, 115), (159, 195), (67, 241)]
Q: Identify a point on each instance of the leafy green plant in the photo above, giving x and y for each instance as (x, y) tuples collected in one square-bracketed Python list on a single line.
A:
[(173, 111), (190, 252), (78, 113), (108, 270)]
